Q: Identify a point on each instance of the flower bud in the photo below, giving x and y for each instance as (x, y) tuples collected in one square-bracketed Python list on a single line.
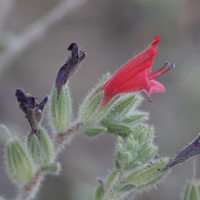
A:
[(40, 147), (19, 165), (119, 155), (127, 158), (32, 108), (70, 66)]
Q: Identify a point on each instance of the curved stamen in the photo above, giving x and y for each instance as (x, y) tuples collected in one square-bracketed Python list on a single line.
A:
[(146, 91), (166, 63), (153, 76)]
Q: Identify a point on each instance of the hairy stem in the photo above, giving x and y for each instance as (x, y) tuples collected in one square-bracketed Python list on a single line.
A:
[(28, 190)]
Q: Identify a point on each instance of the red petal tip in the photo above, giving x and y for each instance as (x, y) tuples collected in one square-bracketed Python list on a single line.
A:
[(156, 40)]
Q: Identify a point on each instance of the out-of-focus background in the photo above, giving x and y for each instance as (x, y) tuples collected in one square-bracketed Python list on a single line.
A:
[(34, 37)]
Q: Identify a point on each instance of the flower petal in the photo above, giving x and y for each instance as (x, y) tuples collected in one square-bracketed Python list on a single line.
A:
[(139, 63), (155, 86)]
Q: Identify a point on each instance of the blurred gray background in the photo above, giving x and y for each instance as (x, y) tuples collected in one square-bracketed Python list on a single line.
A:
[(111, 32)]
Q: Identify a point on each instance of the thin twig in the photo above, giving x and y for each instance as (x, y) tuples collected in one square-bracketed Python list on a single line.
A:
[(34, 31), (5, 9), (194, 170)]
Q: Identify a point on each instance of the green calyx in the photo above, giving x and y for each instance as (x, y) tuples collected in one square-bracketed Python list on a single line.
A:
[(192, 191), (19, 165), (40, 147), (60, 109)]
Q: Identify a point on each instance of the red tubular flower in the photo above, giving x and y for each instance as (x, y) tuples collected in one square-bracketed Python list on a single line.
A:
[(136, 75)]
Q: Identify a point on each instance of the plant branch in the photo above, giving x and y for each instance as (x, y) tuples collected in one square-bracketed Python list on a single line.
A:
[(37, 29), (28, 190)]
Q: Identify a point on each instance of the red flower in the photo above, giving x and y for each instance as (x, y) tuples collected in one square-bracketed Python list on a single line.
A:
[(136, 75)]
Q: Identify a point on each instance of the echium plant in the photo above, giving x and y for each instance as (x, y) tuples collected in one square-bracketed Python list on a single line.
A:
[(111, 107)]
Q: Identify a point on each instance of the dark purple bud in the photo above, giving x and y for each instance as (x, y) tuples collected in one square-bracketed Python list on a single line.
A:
[(190, 150), (20, 95), (43, 103), (32, 108), (70, 66)]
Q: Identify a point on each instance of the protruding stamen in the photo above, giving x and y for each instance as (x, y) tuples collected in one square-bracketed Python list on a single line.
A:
[(166, 63), (6, 129), (153, 75)]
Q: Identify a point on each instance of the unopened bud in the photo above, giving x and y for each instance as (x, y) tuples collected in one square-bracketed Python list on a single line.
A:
[(19, 165), (40, 147), (127, 158)]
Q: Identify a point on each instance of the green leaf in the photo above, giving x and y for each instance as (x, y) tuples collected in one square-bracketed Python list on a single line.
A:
[(123, 106), (144, 135), (138, 131), (52, 168), (194, 194), (88, 100), (135, 118), (99, 191), (126, 187), (105, 78), (54, 116), (117, 128), (130, 145), (152, 181), (92, 106), (146, 172), (92, 131), (111, 178), (99, 115), (187, 191), (119, 140), (151, 134)]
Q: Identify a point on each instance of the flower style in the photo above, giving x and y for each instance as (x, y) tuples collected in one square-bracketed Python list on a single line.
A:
[(136, 75)]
